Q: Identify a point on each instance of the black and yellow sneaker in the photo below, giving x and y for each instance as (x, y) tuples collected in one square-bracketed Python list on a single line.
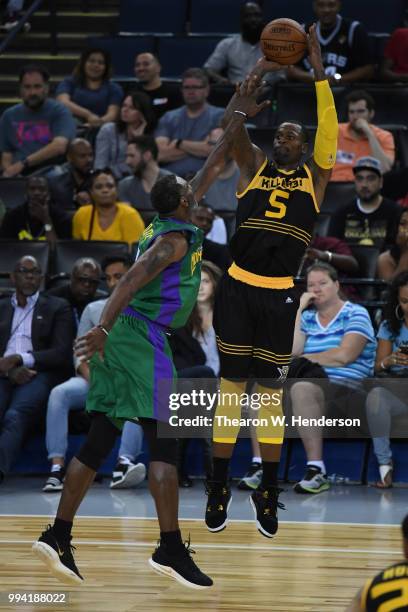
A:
[(265, 505), (58, 557), (179, 566), (218, 502)]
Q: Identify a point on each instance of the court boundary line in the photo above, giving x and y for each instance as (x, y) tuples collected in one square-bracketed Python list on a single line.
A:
[(256, 547), (153, 518)]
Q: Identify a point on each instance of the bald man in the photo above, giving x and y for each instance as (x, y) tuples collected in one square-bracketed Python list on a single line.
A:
[(36, 335), (163, 96), (69, 183)]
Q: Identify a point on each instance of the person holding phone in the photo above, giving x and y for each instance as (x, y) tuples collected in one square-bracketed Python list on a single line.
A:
[(392, 361)]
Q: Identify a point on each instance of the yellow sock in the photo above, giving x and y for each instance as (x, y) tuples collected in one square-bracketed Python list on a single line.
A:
[(228, 408), (272, 432)]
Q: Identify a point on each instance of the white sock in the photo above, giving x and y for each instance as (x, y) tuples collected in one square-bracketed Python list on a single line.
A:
[(124, 460), (319, 464), (256, 460), (56, 467)]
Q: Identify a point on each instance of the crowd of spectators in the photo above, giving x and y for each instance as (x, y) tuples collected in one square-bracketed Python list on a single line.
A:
[(88, 157)]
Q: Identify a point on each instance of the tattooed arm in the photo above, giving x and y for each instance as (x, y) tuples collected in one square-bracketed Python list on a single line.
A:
[(167, 249)]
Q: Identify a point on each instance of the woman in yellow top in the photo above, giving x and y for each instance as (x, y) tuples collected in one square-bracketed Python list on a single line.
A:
[(106, 218)]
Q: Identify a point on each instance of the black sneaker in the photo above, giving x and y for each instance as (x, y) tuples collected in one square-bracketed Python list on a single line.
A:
[(265, 505), (58, 557), (127, 475), (219, 500), (55, 481), (180, 566), (252, 478)]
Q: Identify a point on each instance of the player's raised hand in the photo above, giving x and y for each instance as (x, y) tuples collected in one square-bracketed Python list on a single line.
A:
[(263, 66), (315, 55), (247, 95)]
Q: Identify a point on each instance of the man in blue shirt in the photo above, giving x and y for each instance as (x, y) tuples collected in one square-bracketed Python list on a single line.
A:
[(36, 132), (183, 134)]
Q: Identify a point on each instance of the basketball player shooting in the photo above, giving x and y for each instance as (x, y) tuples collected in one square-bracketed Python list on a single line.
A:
[(255, 307)]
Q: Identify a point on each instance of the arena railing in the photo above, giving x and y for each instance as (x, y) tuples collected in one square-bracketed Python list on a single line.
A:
[(25, 18)]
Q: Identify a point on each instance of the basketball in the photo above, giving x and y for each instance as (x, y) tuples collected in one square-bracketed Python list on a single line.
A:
[(283, 41)]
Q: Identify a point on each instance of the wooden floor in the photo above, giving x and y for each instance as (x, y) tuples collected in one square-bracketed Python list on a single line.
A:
[(306, 568)]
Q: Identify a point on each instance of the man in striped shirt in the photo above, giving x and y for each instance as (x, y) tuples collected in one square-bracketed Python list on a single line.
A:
[(338, 336)]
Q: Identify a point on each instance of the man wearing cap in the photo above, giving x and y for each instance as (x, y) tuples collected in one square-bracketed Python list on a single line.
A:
[(370, 219), (359, 137)]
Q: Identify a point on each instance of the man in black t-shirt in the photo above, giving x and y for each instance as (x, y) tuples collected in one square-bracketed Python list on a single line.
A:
[(345, 47), (163, 96), (370, 219)]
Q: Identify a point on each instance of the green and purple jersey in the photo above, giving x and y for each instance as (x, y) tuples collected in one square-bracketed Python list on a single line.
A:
[(169, 298)]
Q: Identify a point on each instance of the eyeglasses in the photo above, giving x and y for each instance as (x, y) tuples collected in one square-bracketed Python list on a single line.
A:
[(85, 280), (27, 271)]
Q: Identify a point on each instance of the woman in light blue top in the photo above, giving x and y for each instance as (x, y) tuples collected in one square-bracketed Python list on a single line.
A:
[(392, 358)]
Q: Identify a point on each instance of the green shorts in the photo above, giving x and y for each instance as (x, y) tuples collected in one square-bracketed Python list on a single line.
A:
[(136, 375)]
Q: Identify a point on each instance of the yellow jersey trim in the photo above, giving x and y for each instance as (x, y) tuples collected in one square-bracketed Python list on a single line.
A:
[(250, 185), (256, 280), (312, 190)]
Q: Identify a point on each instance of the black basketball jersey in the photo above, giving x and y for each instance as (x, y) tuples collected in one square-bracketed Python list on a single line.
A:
[(275, 218), (387, 591), (340, 53)]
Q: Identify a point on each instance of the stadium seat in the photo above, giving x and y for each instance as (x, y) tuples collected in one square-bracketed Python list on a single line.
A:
[(181, 52), (336, 196), (322, 225), (301, 10), (12, 250), (12, 191), (123, 50), (68, 251), (213, 16), (367, 259), (298, 101), (153, 16), (373, 14)]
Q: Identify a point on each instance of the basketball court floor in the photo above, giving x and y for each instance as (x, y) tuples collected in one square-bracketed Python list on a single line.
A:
[(327, 545)]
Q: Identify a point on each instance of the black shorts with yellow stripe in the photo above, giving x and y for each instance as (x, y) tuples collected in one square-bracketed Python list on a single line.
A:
[(254, 328)]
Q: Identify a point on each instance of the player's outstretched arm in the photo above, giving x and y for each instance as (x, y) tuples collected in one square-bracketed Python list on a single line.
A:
[(167, 249), (245, 106), (324, 154)]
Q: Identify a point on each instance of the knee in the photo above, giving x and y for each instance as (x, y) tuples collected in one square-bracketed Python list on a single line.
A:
[(302, 392), (160, 473), (374, 401), (57, 397)]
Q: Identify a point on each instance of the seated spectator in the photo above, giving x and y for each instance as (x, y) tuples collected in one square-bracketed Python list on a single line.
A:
[(195, 353), (69, 183), (338, 336), (361, 138), (370, 219), (38, 218), (234, 57), (141, 158), (391, 360), (335, 252), (82, 288), (222, 194), (203, 216), (35, 133), (36, 338), (136, 118), (395, 259), (90, 94), (183, 134), (106, 218), (346, 49), (71, 395), (162, 96), (394, 64), (12, 15)]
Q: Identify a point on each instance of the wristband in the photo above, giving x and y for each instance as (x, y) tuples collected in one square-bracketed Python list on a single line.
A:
[(102, 328), (329, 255), (178, 143), (382, 366), (241, 113)]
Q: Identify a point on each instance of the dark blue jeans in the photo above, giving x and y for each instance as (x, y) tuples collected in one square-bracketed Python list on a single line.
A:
[(20, 407)]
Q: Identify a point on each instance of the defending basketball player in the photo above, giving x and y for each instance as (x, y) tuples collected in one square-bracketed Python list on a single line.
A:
[(157, 293), (255, 307)]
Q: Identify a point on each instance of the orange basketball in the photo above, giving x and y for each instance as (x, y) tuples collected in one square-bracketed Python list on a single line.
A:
[(283, 41)]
